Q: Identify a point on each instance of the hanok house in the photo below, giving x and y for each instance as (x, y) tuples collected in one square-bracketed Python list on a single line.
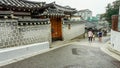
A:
[(25, 22), (65, 25), (18, 25), (56, 13)]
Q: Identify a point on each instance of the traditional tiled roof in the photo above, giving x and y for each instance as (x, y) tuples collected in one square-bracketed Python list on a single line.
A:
[(85, 10), (22, 3), (40, 6), (61, 8), (29, 4), (52, 12), (67, 9)]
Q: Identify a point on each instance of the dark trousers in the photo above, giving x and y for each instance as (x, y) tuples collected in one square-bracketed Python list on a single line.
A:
[(90, 39)]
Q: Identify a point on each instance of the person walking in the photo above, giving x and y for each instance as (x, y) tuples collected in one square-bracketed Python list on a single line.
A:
[(90, 35), (100, 36)]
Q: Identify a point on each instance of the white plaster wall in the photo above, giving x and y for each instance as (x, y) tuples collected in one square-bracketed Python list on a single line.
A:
[(77, 29), (10, 55), (75, 18), (115, 39), (119, 23)]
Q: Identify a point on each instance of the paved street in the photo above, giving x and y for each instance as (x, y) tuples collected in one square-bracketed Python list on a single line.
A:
[(79, 54)]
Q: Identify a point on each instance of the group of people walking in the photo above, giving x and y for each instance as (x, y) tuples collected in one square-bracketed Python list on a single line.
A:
[(91, 35)]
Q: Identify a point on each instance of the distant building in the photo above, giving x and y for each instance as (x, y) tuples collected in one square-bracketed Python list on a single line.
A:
[(85, 14), (98, 16)]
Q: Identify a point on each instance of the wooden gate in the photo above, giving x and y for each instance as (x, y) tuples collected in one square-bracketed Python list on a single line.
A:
[(56, 29)]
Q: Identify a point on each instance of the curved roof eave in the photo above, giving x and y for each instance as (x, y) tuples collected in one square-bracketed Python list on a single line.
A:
[(22, 3), (65, 9)]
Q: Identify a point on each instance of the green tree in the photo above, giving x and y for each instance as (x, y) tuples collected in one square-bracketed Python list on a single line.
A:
[(111, 9)]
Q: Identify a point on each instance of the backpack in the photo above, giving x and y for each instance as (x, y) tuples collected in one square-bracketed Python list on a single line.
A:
[(100, 34)]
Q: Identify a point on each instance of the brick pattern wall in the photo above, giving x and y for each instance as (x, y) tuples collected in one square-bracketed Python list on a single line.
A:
[(12, 34), (8, 33), (34, 34)]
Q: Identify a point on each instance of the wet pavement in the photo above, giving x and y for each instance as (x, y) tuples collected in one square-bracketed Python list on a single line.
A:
[(79, 54)]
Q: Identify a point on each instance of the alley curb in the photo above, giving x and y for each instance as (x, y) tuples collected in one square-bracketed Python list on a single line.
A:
[(113, 50), (107, 48)]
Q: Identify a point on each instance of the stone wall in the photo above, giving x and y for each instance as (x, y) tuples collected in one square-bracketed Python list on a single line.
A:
[(72, 29), (8, 33), (17, 33)]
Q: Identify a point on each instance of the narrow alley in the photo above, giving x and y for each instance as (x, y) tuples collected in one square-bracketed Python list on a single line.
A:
[(59, 34), (77, 54)]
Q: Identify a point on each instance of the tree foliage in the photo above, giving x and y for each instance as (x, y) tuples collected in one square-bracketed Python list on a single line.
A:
[(111, 9)]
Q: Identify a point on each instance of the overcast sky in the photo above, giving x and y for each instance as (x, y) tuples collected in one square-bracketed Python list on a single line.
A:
[(96, 6)]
